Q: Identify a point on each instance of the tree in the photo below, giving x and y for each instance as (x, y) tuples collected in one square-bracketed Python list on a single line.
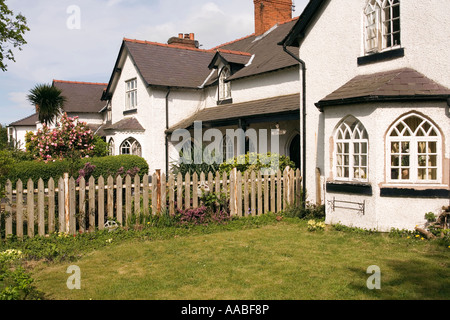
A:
[(48, 102), (12, 29)]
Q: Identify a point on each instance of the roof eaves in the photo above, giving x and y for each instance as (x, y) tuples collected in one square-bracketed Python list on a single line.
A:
[(304, 21), (379, 98)]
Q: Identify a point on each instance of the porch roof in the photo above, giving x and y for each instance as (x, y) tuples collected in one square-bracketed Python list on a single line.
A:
[(264, 110), (395, 85)]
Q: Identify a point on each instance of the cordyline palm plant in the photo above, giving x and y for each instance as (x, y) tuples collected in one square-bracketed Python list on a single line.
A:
[(48, 102)]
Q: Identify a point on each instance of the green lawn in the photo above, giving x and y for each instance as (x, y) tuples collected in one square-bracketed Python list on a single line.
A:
[(277, 261)]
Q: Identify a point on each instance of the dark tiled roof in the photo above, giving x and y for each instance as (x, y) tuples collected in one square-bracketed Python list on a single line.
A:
[(174, 66), (168, 65), (82, 97), (289, 103), (127, 124), (26, 122), (269, 56), (395, 84)]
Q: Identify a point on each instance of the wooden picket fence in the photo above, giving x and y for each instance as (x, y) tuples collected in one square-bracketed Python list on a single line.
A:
[(72, 207)]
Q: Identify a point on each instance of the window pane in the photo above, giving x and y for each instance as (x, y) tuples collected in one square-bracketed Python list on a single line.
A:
[(405, 174), (422, 161), (395, 174), (346, 148), (395, 147), (422, 174), (432, 161), (405, 161), (339, 160), (395, 161), (432, 174), (356, 160), (364, 161), (405, 147), (432, 147), (356, 147)]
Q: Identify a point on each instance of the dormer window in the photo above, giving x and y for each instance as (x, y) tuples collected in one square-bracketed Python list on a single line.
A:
[(224, 86), (131, 94), (382, 25)]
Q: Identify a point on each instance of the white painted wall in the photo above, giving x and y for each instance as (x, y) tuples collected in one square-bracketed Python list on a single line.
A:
[(334, 43), (384, 213)]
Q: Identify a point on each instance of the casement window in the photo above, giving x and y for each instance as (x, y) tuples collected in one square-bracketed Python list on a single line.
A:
[(131, 146), (351, 151), (382, 25), (224, 86), (131, 94), (414, 151)]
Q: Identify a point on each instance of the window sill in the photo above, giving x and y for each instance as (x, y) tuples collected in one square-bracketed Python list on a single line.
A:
[(381, 56), (440, 192), (131, 111), (351, 187)]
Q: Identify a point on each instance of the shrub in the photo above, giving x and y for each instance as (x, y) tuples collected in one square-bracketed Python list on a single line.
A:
[(255, 162), (104, 166), (202, 216), (70, 138)]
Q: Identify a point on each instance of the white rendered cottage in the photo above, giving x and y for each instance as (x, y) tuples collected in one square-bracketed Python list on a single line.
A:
[(83, 100), (376, 77), (156, 89)]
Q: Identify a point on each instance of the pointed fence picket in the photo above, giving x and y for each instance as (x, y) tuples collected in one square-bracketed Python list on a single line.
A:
[(83, 206)]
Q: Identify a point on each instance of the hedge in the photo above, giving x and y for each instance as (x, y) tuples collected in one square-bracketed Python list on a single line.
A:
[(105, 166)]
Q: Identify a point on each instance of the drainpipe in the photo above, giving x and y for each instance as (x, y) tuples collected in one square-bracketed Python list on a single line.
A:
[(303, 67), (167, 128)]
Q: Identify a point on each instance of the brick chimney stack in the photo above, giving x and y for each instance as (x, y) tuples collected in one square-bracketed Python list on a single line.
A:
[(270, 12), (184, 40)]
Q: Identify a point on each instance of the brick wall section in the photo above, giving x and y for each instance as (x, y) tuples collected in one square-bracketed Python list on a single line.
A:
[(270, 12)]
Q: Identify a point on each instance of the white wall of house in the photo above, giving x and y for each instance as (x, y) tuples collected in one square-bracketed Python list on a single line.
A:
[(383, 213), (336, 40), (268, 85)]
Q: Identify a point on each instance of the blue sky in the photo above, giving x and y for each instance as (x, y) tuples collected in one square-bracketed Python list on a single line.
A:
[(83, 45)]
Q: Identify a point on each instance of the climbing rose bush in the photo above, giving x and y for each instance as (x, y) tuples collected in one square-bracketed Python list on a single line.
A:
[(70, 138)]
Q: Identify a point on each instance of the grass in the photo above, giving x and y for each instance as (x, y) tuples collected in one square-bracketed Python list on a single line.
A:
[(249, 260)]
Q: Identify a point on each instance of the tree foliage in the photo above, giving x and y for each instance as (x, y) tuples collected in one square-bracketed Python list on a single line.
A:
[(48, 101), (12, 30)]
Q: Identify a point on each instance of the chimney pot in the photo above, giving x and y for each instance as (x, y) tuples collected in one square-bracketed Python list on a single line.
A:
[(191, 36), (180, 35)]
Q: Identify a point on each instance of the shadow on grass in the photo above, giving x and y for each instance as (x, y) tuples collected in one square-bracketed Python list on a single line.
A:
[(427, 278)]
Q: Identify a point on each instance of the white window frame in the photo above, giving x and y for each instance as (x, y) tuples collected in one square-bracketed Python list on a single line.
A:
[(355, 157), (133, 146), (131, 94), (406, 160), (112, 147), (381, 19), (227, 148), (224, 86)]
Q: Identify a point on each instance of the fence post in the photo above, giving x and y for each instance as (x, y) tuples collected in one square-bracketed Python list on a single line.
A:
[(239, 193), (72, 207), (41, 213), (163, 202), (8, 209), (61, 205), (82, 205), (253, 192), (260, 195), (179, 191), (66, 201), (246, 202), (91, 204), (101, 203), (51, 206), (171, 191), (110, 193), (119, 198), (19, 210), (194, 190), (137, 196), (145, 194), (154, 194), (127, 198), (158, 190), (187, 190), (233, 192), (30, 208)]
